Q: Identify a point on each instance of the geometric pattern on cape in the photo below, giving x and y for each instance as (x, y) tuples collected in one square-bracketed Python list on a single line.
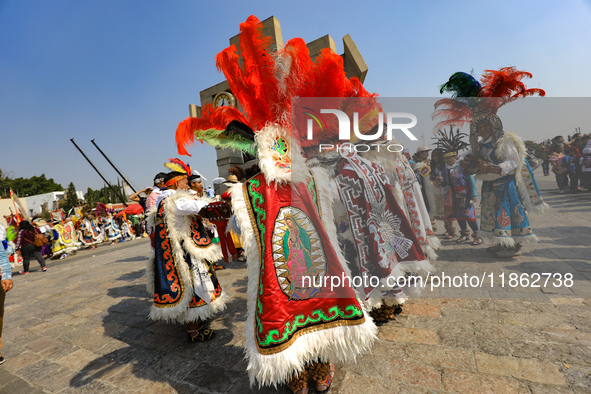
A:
[(382, 233)]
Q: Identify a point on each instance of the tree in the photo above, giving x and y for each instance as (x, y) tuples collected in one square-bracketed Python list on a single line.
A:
[(70, 199), (27, 186), (533, 146), (90, 197), (104, 195)]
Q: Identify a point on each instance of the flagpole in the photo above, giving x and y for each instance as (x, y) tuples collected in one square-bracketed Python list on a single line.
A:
[(113, 165), (98, 172)]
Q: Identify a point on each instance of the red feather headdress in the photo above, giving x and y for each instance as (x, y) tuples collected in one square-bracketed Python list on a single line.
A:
[(264, 84)]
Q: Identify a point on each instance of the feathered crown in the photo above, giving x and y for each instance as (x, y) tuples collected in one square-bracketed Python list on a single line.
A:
[(177, 165), (450, 142), (264, 84), (471, 98)]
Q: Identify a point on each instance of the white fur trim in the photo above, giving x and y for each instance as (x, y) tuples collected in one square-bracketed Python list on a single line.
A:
[(398, 300), (509, 242), (372, 302), (530, 206), (422, 266), (429, 252), (179, 230), (265, 139), (206, 311), (338, 343), (378, 296), (434, 242)]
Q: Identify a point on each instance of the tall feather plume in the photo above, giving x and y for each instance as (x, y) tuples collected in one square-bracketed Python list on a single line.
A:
[(264, 84), (504, 86), (295, 68), (457, 110), (228, 61), (259, 66), (453, 112), (174, 164), (329, 76), (506, 82), (239, 129), (356, 89), (219, 138)]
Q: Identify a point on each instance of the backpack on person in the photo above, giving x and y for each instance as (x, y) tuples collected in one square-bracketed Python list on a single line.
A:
[(40, 240)]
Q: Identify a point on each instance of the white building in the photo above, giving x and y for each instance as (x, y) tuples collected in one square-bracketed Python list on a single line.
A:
[(49, 201)]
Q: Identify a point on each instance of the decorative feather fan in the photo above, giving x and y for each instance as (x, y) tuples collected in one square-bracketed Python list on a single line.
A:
[(451, 142), (178, 165)]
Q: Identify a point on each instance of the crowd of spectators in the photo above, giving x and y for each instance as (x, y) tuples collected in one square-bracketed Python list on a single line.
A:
[(569, 160)]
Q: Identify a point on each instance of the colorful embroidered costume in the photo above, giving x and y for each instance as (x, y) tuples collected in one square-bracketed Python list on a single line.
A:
[(89, 233), (295, 320), (460, 195), (112, 229), (498, 158), (298, 319), (66, 240), (377, 237), (461, 190), (504, 218), (179, 274), (410, 197)]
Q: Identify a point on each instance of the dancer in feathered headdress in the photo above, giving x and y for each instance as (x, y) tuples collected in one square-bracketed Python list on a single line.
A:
[(180, 272), (461, 195), (509, 191), (294, 327), (174, 164)]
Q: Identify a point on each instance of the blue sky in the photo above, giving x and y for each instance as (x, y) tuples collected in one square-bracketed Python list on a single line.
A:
[(124, 72)]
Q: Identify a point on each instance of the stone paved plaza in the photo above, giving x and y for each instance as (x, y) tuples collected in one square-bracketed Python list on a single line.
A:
[(82, 326)]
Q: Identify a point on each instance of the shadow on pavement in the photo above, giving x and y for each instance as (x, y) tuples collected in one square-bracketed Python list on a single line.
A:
[(158, 352)]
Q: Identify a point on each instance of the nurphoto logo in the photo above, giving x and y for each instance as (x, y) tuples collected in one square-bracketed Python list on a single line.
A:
[(345, 125), (392, 122)]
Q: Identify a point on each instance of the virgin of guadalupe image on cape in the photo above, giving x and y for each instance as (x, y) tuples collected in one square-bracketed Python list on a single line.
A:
[(299, 254), (296, 245)]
